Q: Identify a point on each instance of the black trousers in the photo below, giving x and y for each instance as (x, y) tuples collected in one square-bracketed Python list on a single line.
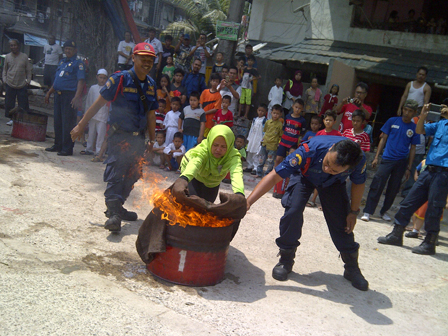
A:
[(124, 165), (335, 205), (11, 95), (49, 73), (199, 189), (64, 120)]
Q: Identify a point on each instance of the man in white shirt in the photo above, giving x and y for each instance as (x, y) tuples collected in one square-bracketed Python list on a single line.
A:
[(53, 54), (417, 90), (228, 87), (16, 77), (124, 51), (200, 51), (158, 49)]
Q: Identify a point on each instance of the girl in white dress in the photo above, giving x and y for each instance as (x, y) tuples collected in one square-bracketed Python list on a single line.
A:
[(255, 137)]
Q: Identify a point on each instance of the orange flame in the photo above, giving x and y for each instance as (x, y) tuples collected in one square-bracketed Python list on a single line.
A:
[(173, 211)]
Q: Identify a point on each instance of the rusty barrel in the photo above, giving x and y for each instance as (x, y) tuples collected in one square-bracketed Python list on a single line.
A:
[(29, 126), (195, 256)]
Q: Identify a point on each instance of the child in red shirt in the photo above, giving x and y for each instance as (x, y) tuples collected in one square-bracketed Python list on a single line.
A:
[(356, 133), (329, 120), (224, 116)]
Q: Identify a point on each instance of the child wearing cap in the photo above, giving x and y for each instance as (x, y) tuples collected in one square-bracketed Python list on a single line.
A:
[(98, 124)]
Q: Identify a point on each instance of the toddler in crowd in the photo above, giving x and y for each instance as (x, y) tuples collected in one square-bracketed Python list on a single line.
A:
[(169, 68), (273, 130), (211, 101), (192, 122), (275, 96), (160, 115), (249, 75), (224, 116), (255, 137), (316, 123), (156, 156), (292, 127), (240, 144), (98, 124), (357, 133), (329, 120), (171, 121), (219, 64), (174, 153)]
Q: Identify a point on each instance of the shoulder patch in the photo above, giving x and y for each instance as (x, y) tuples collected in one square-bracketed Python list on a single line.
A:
[(81, 67), (112, 80), (409, 133), (108, 84), (299, 158), (130, 89), (295, 161), (363, 170)]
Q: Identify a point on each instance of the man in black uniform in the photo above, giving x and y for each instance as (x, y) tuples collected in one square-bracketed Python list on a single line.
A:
[(133, 100), (324, 163), (68, 85)]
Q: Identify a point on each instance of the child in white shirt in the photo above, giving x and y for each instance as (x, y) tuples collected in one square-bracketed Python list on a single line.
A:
[(98, 124), (174, 153), (171, 122), (275, 96)]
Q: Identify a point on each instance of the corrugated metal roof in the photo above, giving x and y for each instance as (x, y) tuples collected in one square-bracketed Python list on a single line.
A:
[(380, 60)]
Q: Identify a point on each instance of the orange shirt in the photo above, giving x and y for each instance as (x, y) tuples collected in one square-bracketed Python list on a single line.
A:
[(163, 95), (210, 100)]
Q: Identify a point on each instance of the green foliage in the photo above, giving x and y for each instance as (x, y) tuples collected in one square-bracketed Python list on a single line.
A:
[(201, 17)]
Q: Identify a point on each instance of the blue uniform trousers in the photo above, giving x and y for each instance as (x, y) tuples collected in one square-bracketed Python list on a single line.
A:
[(124, 165), (409, 183), (392, 170), (64, 120), (10, 99), (335, 205), (431, 187)]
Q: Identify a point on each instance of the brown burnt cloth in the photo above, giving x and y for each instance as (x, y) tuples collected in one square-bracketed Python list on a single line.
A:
[(151, 236)]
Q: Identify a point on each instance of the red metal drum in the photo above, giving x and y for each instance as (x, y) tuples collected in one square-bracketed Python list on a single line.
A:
[(280, 188), (195, 256), (29, 126)]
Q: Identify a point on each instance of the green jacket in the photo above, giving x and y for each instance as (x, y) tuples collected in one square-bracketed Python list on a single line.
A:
[(199, 163)]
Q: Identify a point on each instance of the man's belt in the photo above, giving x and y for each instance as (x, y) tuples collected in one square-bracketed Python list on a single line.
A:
[(59, 92), (436, 169)]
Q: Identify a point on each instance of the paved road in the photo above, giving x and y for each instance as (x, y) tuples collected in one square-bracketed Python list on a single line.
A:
[(61, 273)]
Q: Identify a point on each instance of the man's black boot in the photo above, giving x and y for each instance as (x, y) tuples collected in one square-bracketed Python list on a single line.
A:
[(393, 238), (352, 272), (428, 247), (284, 266), (128, 215), (124, 214), (113, 211)]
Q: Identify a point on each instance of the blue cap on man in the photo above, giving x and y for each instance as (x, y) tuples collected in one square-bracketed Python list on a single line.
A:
[(69, 43)]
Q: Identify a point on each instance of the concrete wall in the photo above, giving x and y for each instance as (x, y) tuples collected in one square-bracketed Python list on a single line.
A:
[(273, 21)]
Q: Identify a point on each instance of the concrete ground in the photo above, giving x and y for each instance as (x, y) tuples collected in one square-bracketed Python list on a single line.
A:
[(61, 273)]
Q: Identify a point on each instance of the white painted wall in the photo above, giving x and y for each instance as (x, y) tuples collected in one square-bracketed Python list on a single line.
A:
[(273, 21)]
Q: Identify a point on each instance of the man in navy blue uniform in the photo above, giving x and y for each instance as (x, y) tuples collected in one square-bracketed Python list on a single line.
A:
[(431, 186), (323, 163), (133, 100), (194, 81), (68, 86), (400, 139)]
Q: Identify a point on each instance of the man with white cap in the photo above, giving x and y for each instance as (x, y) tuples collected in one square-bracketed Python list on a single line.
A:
[(132, 97), (98, 124)]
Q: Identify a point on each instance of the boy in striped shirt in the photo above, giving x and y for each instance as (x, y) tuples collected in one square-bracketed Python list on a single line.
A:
[(292, 127), (357, 133)]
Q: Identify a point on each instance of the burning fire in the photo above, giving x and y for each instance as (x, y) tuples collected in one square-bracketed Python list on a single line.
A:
[(174, 212)]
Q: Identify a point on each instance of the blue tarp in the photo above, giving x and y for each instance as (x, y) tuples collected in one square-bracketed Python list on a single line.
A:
[(35, 41)]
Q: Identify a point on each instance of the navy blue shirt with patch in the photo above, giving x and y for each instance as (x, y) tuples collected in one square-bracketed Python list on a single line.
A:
[(69, 72), (400, 136), (318, 148), (127, 110)]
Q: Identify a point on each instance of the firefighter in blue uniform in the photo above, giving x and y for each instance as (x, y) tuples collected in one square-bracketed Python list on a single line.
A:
[(133, 103), (431, 186), (68, 86), (323, 163)]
